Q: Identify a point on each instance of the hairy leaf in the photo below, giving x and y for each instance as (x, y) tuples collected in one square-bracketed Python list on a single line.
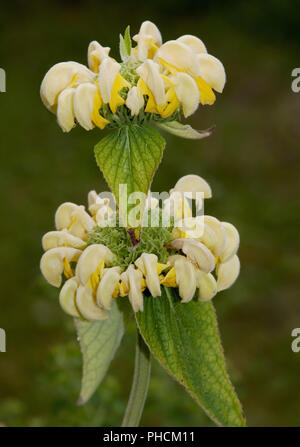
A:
[(185, 130), (185, 340), (129, 155), (98, 341)]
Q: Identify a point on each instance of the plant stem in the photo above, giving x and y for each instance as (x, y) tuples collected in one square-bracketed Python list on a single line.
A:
[(140, 384)]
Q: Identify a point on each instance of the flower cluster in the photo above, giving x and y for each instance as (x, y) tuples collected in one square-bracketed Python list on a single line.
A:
[(155, 79), (94, 274)]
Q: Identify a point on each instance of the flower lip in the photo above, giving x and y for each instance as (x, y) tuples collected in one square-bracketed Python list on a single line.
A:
[(180, 56), (87, 306), (90, 259), (52, 263), (227, 273), (61, 76), (197, 252), (67, 297), (107, 286), (96, 54), (193, 42), (194, 184)]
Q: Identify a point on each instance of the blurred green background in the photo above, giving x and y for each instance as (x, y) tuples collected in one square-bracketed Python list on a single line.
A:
[(251, 161)]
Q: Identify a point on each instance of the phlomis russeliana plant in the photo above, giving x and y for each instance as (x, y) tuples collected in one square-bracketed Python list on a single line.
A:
[(158, 252)]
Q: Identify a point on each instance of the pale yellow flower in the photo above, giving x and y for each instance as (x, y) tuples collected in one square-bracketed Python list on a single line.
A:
[(148, 40), (203, 264), (160, 78)]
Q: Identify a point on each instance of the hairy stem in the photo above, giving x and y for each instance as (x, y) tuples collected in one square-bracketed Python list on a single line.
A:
[(140, 384)]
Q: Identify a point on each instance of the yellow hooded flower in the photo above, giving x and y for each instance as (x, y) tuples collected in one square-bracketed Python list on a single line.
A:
[(92, 274), (154, 78)]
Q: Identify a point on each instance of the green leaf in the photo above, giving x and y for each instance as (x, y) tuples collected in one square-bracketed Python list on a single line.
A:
[(98, 341), (185, 130), (130, 155), (185, 340), (125, 45), (127, 40), (123, 51)]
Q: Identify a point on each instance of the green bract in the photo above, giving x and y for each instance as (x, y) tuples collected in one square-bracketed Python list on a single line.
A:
[(117, 240)]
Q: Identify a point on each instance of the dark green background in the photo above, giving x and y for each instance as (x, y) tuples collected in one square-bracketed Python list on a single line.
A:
[(251, 161)]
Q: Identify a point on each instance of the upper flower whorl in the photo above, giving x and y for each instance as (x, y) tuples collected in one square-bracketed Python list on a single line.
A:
[(159, 79)]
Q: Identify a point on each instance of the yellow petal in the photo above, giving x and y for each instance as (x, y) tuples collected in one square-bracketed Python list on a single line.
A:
[(150, 74), (65, 109), (170, 279), (67, 297), (62, 238), (186, 279), (68, 271), (64, 215), (172, 102), (90, 260), (227, 273), (116, 292), (161, 267), (193, 42), (107, 287), (206, 284), (73, 218), (219, 231), (187, 93), (148, 37), (97, 119), (232, 242), (194, 184), (87, 306), (84, 99), (197, 253), (95, 201), (96, 54), (144, 90), (189, 227), (95, 277), (124, 289), (151, 106), (116, 100), (52, 263), (207, 96), (179, 55), (135, 284), (109, 70), (83, 218), (209, 238), (61, 76), (134, 101), (212, 71), (149, 262)]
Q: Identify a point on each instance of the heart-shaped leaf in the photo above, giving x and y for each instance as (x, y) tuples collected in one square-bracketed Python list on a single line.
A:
[(129, 156), (98, 341), (185, 340)]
